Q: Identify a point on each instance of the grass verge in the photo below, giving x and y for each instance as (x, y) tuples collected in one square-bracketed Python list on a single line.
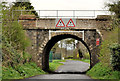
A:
[(21, 71), (55, 64), (83, 60), (100, 71)]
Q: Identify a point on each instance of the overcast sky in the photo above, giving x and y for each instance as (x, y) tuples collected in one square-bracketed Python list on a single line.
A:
[(67, 4)]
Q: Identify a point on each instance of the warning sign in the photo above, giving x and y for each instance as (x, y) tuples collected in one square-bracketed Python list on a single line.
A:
[(70, 23), (60, 23), (65, 22)]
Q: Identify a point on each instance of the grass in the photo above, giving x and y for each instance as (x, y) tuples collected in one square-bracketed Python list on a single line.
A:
[(83, 60), (100, 71), (55, 64), (21, 71), (0, 71), (27, 70)]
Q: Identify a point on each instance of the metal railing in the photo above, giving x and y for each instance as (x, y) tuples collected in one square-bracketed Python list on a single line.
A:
[(65, 13)]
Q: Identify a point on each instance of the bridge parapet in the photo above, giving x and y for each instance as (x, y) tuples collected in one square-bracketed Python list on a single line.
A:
[(30, 22)]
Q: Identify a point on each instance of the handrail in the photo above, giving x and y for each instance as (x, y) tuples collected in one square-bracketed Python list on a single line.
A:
[(62, 13)]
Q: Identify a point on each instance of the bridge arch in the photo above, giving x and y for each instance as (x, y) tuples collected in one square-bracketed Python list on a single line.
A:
[(52, 42), (37, 29)]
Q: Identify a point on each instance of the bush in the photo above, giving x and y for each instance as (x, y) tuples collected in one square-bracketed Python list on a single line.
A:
[(105, 55), (69, 57), (86, 56), (14, 39), (115, 56), (21, 71), (99, 71), (27, 57), (10, 73)]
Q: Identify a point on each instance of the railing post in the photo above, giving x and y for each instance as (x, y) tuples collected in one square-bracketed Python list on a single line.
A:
[(94, 13), (73, 13), (57, 13), (39, 13)]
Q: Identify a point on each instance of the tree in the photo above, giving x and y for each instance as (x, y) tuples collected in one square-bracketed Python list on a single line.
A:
[(55, 47), (79, 50), (69, 43), (113, 35), (14, 39), (115, 7), (24, 6)]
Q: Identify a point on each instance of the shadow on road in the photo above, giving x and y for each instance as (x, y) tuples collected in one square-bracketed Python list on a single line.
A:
[(51, 72)]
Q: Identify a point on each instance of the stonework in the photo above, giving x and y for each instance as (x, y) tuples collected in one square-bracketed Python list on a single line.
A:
[(38, 30)]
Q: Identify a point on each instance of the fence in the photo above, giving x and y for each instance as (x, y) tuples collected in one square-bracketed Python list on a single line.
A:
[(65, 13)]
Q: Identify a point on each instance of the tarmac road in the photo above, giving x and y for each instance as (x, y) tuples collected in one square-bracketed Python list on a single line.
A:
[(69, 66), (73, 66)]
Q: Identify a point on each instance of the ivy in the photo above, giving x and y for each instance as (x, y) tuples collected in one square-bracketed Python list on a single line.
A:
[(115, 56)]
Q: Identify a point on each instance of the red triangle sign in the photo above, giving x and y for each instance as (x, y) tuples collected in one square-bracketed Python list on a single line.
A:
[(70, 23), (60, 23)]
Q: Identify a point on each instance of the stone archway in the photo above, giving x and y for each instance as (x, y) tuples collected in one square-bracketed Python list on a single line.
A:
[(41, 44), (51, 43)]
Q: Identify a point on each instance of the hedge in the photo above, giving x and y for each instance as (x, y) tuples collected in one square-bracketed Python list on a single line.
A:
[(115, 56)]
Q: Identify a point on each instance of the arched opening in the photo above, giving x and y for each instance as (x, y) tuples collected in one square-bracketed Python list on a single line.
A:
[(52, 42)]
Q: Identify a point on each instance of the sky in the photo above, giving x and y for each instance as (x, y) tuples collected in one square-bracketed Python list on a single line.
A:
[(67, 4)]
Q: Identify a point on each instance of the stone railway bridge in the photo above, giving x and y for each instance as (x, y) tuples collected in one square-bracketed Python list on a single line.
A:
[(44, 35)]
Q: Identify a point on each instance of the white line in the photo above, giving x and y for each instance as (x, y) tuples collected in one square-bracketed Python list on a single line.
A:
[(66, 31), (83, 36), (49, 34)]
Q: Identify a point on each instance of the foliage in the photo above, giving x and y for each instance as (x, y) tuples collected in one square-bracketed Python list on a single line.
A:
[(105, 55), (24, 6), (103, 70), (115, 7), (70, 42), (69, 57), (21, 71), (75, 54), (99, 71), (10, 73), (54, 48), (14, 39), (86, 56), (55, 64), (115, 56), (80, 53), (16, 62)]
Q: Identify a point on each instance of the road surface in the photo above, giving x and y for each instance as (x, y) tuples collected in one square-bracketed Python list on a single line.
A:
[(69, 66), (73, 66)]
